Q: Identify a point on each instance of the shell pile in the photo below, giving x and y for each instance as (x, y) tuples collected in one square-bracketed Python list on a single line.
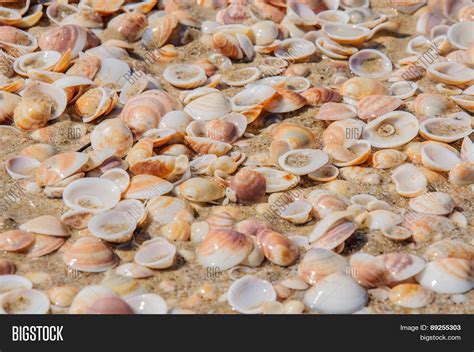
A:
[(276, 157)]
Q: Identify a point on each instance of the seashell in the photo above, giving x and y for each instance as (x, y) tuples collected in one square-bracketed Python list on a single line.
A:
[(369, 271), (458, 35), (462, 174), (177, 230), (378, 219), (346, 33), (252, 227), (92, 194), (248, 294), (62, 296), (14, 282), (427, 21), (332, 16), (227, 45), (336, 111), (447, 276), (431, 105), (90, 295), (336, 294), (302, 161), (164, 166), (9, 102), (203, 145), (40, 152), (465, 13), (148, 303), (224, 249), (317, 96), (134, 271), (94, 103), (21, 167), (446, 129), (332, 230), (437, 157), (6, 267), (424, 228), (112, 133), (45, 244), (410, 296), (447, 248), (336, 133), (147, 187), (265, 32), (24, 301), (186, 76), (409, 180), (408, 6), (374, 106), (164, 209), (297, 212), (325, 173), (76, 219), (285, 100), (112, 226), (319, 263), (356, 153), (396, 233), (277, 248), (403, 89), (434, 203), (208, 107), (326, 202), (464, 101), (123, 286), (88, 254), (129, 26), (391, 130), (252, 100), (41, 60), (371, 64), (14, 38), (277, 180), (295, 50), (46, 225), (334, 50), (241, 77), (199, 189), (15, 240), (249, 186), (64, 38), (388, 158), (119, 176), (402, 266), (113, 73), (360, 87), (452, 73)]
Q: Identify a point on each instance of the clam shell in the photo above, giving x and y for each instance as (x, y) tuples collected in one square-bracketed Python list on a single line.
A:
[(334, 50), (46, 225), (95, 103), (148, 303), (164, 209), (396, 233), (409, 180), (325, 173), (147, 187), (434, 203), (156, 253), (15, 240), (64, 37), (332, 230), (346, 33), (326, 202), (285, 100), (447, 276), (40, 152), (44, 245), (89, 295), (319, 263), (6, 267), (388, 158), (88, 254), (371, 64), (21, 167), (374, 106), (224, 249), (24, 301), (357, 152), (316, 96), (431, 105), (112, 133), (92, 194), (265, 32), (295, 49), (447, 248), (336, 133), (410, 296), (134, 271), (249, 186), (425, 228), (227, 45), (241, 77), (276, 180), (199, 189), (302, 161), (248, 294), (10, 283), (297, 212), (378, 219), (208, 107), (452, 73), (185, 76), (359, 87), (445, 129), (336, 294), (391, 130), (437, 157), (336, 111), (369, 271), (459, 34), (62, 296), (402, 266), (462, 173), (112, 226), (277, 248), (403, 89)]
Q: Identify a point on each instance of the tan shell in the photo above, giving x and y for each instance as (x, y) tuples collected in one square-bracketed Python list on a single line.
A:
[(90, 255), (277, 248), (388, 158)]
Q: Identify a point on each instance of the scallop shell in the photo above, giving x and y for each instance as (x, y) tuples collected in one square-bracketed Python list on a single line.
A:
[(88, 254), (208, 107), (410, 296), (336, 294), (388, 158), (447, 276), (434, 203), (319, 263), (409, 180), (374, 106), (248, 294), (224, 249), (277, 248), (156, 253)]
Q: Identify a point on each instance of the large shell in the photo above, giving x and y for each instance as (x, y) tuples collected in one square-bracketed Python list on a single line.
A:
[(249, 186), (46, 225), (90, 255), (410, 296), (208, 107), (147, 187), (319, 263), (129, 26), (332, 230), (277, 180), (15, 240), (224, 249), (186, 76), (63, 38), (295, 49), (445, 129), (459, 34), (277, 248), (447, 275), (447, 248), (452, 73), (439, 157), (369, 271), (371, 64)]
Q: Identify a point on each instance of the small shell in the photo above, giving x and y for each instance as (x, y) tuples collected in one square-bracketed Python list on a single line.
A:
[(410, 296), (297, 212), (248, 294), (44, 245), (227, 45), (336, 294), (252, 227), (434, 203), (356, 153), (277, 248), (378, 219), (346, 33), (249, 186), (326, 202), (46, 225), (437, 157), (431, 105), (317, 96), (21, 167), (62, 296), (156, 253), (134, 271), (447, 276), (343, 132), (325, 173), (336, 111), (88, 254), (40, 152), (241, 77), (409, 180), (185, 76), (369, 271), (95, 103), (319, 263), (164, 209), (403, 89), (462, 174), (380, 65), (208, 107), (24, 301), (15, 240), (112, 133), (295, 50), (147, 187), (224, 249), (402, 266), (396, 233), (112, 226), (359, 87), (265, 32), (199, 189), (374, 106), (302, 161), (334, 50), (388, 158), (285, 100), (129, 26), (332, 230)]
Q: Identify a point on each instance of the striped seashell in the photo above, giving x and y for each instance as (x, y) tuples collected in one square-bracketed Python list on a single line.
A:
[(448, 276), (15, 240), (277, 248), (425, 228), (388, 158), (374, 106), (336, 111), (88, 254), (317, 96), (447, 248), (227, 45), (44, 245), (319, 263), (410, 296), (224, 249), (402, 266), (161, 31), (368, 271)]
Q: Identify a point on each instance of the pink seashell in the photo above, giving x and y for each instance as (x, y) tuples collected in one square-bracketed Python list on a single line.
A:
[(374, 106)]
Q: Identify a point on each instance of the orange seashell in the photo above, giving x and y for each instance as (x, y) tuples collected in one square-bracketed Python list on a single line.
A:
[(59, 167), (317, 96), (369, 271), (227, 45), (113, 134), (319, 263), (44, 245), (15, 240), (87, 66), (162, 31), (266, 10), (129, 26), (374, 106), (249, 186), (32, 113), (277, 248), (142, 150), (64, 38), (88, 254)]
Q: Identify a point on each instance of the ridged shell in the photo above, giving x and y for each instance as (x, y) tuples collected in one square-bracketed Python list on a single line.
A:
[(336, 111), (317, 96), (374, 106), (88, 254), (15, 240)]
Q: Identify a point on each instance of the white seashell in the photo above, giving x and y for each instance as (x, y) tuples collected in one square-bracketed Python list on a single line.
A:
[(378, 219), (14, 282), (445, 129), (402, 266), (92, 194), (325, 173), (175, 120), (295, 49), (346, 33), (113, 73), (467, 150), (371, 64), (319, 263), (119, 176), (334, 50), (336, 294), (112, 226), (277, 180), (396, 233), (297, 212), (302, 161), (332, 16), (434, 203), (55, 96), (248, 294), (449, 249), (156, 253), (391, 130), (409, 180), (21, 167), (460, 34), (164, 209), (185, 76), (332, 230), (148, 303), (452, 73), (301, 14), (46, 225), (134, 271), (465, 101), (133, 208), (447, 276), (88, 296), (24, 301), (208, 107), (437, 157), (265, 32), (241, 77), (403, 89)]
